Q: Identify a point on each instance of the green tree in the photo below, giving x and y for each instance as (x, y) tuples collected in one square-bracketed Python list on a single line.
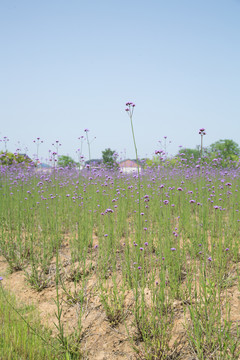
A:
[(226, 149), (8, 158), (94, 162), (190, 154), (109, 158), (66, 161)]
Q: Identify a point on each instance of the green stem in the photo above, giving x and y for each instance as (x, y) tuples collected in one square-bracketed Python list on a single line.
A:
[(139, 187), (27, 323)]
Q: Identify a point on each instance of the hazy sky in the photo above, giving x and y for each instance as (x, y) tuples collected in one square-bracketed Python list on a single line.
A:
[(67, 65)]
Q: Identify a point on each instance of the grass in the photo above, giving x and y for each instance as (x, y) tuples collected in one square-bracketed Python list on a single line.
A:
[(136, 245), (17, 338)]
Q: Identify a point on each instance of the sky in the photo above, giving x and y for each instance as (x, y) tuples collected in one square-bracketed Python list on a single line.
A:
[(68, 65)]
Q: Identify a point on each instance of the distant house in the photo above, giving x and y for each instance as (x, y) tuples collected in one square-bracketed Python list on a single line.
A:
[(94, 164), (129, 166), (44, 166)]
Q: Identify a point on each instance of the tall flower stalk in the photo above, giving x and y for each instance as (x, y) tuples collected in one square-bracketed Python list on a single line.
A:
[(130, 109), (38, 142), (79, 152), (89, 143), (5, 140), (202, 133)]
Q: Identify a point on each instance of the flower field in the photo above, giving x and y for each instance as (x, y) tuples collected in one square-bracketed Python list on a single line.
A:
[(126, 266)]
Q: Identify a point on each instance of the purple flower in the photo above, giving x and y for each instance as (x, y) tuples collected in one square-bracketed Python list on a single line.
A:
[(158, 152), (209, 259), (106, 235), (130, 105), (1, 278), (96, 246), (173, 249), (146, 243), (165, 202), (227, 249), (141, 249), (86, 130), (109, 211), (139, 267)]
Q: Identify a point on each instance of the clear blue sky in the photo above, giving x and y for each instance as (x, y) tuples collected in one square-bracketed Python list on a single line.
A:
[(67, 65)]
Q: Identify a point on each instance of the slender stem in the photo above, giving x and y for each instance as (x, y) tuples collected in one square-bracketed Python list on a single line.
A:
[(26, 322), (130, 113), (88, 146), (134, 141)]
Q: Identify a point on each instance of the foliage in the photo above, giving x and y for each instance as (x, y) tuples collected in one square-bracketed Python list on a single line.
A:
[(66, 161), (155, 162), (94, 162), (18, 340), (148, 162), (8, 158), (182, 256), (109, 158), (190, 154), (226, 149)]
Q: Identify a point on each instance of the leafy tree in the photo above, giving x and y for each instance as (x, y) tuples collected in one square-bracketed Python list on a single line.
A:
[(66, 161), (109, 158), (8, 158), (190, 154), (226, 149), (94, 162)]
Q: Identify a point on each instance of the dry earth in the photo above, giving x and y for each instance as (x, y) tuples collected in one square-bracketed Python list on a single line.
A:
[(99, 340)]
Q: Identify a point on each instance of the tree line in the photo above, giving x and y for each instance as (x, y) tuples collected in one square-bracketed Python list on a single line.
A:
[(223, 152)]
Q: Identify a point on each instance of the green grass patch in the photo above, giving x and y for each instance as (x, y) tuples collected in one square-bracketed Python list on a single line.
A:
[(17, 339)]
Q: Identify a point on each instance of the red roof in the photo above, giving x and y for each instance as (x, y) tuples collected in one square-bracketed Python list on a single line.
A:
[(128, 164)]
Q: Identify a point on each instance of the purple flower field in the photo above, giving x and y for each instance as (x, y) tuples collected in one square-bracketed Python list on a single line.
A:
[(146, 262)]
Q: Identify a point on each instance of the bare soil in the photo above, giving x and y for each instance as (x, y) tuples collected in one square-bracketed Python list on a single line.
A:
[(100, 340)]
